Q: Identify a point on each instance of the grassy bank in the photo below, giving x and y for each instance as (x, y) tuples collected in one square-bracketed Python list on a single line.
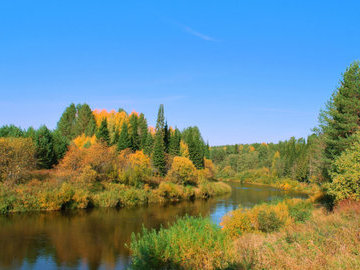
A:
[(264, 177), (54, 195), (287, 234)]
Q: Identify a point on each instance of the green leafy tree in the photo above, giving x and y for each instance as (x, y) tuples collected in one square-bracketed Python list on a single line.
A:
[(124, 139), (66, 124), (346, 173), (102, 133), (341, 118), (45, 151)]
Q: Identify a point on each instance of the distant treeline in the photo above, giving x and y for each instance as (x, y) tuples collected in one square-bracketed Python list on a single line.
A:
[(298, 159)]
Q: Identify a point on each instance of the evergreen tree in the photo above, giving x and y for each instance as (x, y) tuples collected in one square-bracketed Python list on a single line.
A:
[(341, 118), (143, 129), (166, 137), (174, 145), (133, 132), (160, 123), (159, 153), (30, 133), (66, 124), (116, 137), (102, 133), (11, 131), (207, 150), (158, 156), (61, 144), (148, 148), (83, 119), (193, 139), (124, 139), (45, 152)]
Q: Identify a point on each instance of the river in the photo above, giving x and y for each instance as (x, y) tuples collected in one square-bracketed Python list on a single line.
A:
[(95, 239)]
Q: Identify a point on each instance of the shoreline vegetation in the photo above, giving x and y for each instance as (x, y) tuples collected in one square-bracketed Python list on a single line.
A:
[(285, 184), (103, 159), (288, 234)]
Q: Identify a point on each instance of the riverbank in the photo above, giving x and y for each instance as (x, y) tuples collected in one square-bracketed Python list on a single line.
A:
[(264, 177), (51, 195), (285, 235)]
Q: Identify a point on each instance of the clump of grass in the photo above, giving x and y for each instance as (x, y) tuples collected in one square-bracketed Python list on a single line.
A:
[(190, 243)]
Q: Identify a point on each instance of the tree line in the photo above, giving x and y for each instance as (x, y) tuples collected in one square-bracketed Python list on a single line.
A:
[(80, 125)]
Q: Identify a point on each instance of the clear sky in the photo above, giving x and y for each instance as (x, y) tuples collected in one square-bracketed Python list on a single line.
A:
[(243, 71)]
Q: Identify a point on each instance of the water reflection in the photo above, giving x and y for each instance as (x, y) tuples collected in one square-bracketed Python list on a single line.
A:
[(95, 239)]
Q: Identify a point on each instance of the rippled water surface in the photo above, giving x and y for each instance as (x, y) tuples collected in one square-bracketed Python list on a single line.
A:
[(95, 239)]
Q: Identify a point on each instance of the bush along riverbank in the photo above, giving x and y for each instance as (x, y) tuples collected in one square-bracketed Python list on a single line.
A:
[(264, 176), (288, 234), (99, 176)]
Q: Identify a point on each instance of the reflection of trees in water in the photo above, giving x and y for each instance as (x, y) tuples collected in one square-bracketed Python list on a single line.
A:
[(92, 237), (98, 236)]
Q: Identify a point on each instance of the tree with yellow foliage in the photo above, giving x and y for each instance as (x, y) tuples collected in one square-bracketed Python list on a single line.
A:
[(182, 172)]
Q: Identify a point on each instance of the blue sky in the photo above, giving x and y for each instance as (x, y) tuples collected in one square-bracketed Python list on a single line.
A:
[(243, 71)]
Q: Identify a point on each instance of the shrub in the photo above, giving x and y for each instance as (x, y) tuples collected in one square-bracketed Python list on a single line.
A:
[(266, 217), (17, 158), (227, 171), (300, 211), (190, 243), (209, 169), (268, 221), (182, 172)]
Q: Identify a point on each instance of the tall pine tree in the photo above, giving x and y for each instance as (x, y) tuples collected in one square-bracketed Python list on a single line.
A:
[(133, 132), (158, 156), (174, 145), (84, 118), (341, 118), (66, 124), (102, 133), (124, 139), (143, 130)]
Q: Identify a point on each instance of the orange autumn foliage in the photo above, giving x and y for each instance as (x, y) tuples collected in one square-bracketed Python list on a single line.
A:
[(97, 157)]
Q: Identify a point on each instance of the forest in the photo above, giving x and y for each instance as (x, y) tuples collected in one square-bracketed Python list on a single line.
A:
[(96, 158)]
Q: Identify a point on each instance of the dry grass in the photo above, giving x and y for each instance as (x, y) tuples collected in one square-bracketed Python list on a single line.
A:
[(327, 241)]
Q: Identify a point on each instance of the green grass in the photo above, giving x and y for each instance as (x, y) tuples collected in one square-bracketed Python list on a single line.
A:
[(189, 243)]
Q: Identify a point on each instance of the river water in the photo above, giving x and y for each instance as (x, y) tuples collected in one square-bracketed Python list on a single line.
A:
[(95, 239)]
